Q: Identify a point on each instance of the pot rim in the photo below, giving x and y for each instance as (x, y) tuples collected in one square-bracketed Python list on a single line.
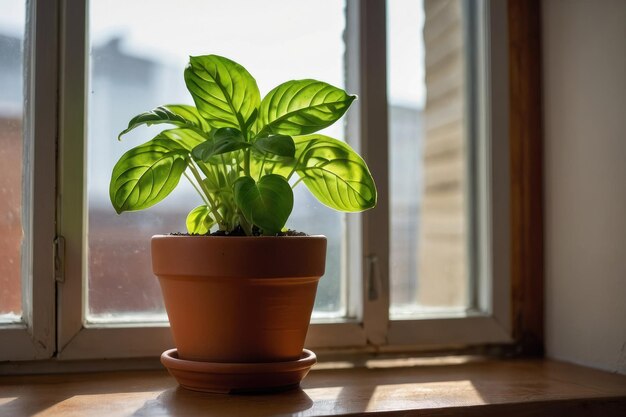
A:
[(255, 238), (171, 360), (241, 256)]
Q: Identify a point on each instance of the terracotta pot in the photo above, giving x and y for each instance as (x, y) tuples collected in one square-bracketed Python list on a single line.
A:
[(239, 299)]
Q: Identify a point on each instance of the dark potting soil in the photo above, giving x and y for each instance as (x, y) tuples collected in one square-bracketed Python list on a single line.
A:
[(238, 231)]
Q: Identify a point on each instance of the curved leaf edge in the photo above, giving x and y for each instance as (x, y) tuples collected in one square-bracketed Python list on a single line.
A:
[(175, 149), (179, 120), (307, 144), (265, 129)]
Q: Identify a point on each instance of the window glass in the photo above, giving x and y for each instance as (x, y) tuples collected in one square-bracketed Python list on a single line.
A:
[(12, 28), (138, 51), (426, 94)]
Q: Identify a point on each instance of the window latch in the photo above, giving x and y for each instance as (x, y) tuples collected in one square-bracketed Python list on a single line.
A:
[(59, 259)]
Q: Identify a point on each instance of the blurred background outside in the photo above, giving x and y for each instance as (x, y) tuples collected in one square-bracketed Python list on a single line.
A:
[(136, 63)]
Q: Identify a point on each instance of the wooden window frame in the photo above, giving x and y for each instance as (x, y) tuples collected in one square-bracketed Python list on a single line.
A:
[(526, 188)]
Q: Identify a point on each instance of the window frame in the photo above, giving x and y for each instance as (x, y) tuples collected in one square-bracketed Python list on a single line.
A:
[(371, 329), (490, 324), (34, 338)]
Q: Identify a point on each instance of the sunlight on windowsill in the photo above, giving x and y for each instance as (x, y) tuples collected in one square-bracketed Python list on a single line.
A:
[(6, 400), (444, 386), (397, 363), (113, 403)]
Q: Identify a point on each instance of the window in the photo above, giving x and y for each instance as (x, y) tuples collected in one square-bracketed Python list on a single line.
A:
[(136, 66), (11, 120), (27, 196), (416, 271), (428, 158)]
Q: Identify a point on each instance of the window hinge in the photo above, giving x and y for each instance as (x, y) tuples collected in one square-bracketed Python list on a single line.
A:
[(59, 259)]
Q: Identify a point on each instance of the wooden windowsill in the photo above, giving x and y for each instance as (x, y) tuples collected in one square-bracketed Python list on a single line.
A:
[(411, 387)]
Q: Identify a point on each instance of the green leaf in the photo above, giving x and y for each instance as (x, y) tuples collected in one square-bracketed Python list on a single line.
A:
[(146, 174), (224, 140), (225, 93), (215, 183), (334, 173), (199, 220), (280, 145), (228, 133), (175, 114), (267, 203), (252, 119), (187, 138), (301, 107)]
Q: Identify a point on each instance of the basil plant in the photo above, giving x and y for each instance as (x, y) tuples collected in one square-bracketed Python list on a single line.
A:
[(242, 154)]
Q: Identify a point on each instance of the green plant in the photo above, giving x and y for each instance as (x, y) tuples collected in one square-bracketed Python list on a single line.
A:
[(241, 153)]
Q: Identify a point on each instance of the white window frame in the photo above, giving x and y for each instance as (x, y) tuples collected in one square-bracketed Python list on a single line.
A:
[(33, 337), (490, 322), (368, 238)]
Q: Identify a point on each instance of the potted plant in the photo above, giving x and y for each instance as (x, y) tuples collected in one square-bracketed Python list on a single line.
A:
[(239, 300)]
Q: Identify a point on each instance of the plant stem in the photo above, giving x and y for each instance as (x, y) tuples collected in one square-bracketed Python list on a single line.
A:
[(195, 186), (262, 166), (297, 182), (212, 205), (247, 227), (226, 173), (205, 170), (246, 162)]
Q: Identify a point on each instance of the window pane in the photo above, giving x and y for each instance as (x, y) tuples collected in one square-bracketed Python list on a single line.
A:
[(426, 91), (12, 28), (138, 52)]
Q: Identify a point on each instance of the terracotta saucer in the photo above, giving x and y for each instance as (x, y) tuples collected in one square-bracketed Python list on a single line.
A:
[(232, 378)]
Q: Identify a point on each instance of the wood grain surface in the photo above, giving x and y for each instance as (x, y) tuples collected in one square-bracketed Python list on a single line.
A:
[(526, 147), (466, 387)]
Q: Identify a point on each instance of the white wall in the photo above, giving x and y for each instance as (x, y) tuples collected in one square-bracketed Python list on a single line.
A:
[(584, 59)]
